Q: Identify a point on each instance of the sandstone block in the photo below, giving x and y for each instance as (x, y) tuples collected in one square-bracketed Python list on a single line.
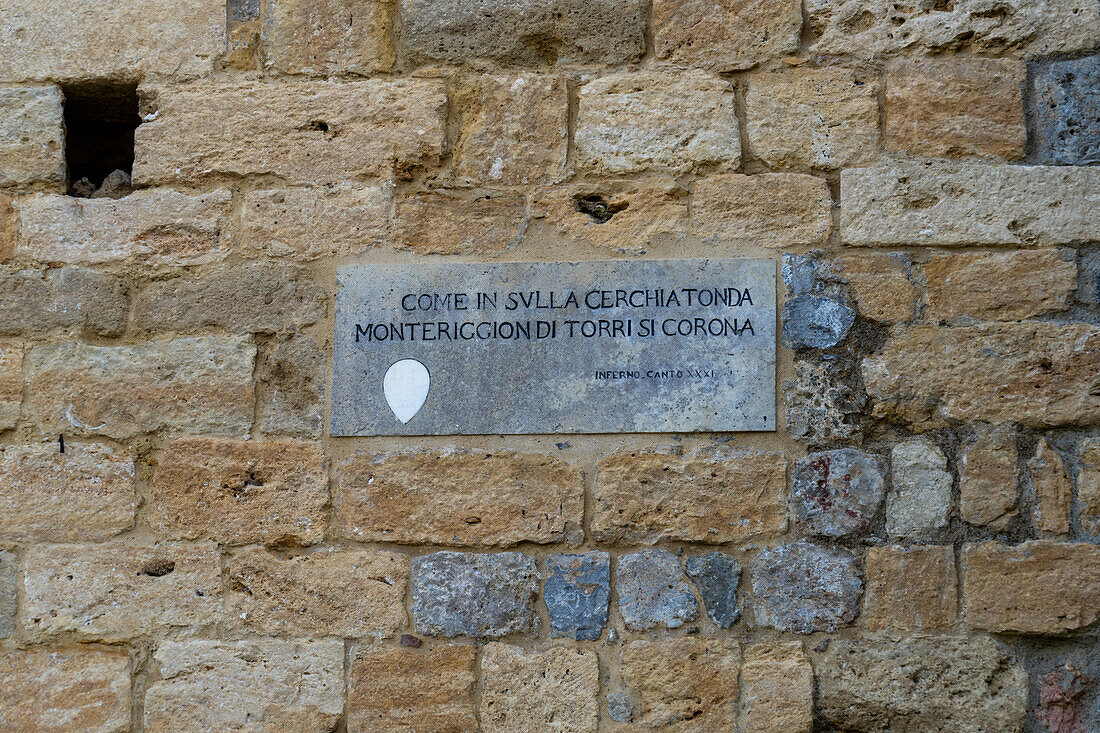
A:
[(307, 224), (920, 500), (328, 37), (815, 322), (151, 227), (1067, 111), (9, 227), (1088, 486), (710, 495), (256, 685), (777, 689), (83, 494), (837, 493), (952, 204), (457, 593), (9, 593), (448, 222), (879, 284), (32, 133), (292, 381), (805, 588), (84, 301), (656, 121), (199, 385), (115, 592), (729, 35), (526, 692), (459, 498), (653, 591), (910, 588), (776, 210), (397, 689), (56, 691), (302, 131), (999, 286), (11, 384), (578, 588), (240, 491), (1053, 491), (987, 478), (716, 576)]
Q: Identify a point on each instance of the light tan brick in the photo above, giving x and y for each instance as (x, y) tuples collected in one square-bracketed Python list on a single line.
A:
[(727, 35), (325, 37), (240, 491), (999, 286), (9, 228), (880, 285), (1053, 490), (987, 478), (524, 691), (32, 133), (777, 689), (450, 222), (9, 592), (910, 588), (291, 376), (62, 690), (1088, 486), (11, 384), (72, 299), (775, 210)]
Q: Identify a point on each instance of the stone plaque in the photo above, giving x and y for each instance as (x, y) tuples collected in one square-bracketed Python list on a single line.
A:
[(552, 347)]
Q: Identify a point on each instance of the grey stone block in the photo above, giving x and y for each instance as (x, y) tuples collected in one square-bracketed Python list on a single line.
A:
[(653, 591), (717, 576), (578, 588), (457, 593), (805, 588)]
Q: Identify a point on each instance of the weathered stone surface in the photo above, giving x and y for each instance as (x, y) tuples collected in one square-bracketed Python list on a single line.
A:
[(85, 493), (956, 107), (292, 388), (804, 588), (32, 133), (1064, 692), (1088, 286), (822, 407), (987, 478), (328, 37), (776, 210), (1039, 587), (653, 591), (999, 286), (837, 493), (910, 588), (921, 684), (452, 222), (56, 691), (777, 689), (514, 129), (9, 228), (459, 498), (307, 224), (457, 593), (9, 593), (619, 707), (920, 499), (11, 384), (523, 32), (257, 685), (152, 227), (578, 588), (116, 592), (1037, 374), (302, 131), (1088, 486), (349, 593), (198, 385), (717, 576), (1053, 491), (1067, 111), (949, 204), (240, 491), (397, 689), (682, 685), (85, 301), (711, 495), (812, 118), (815, 322), (729, 35), (879, 284), (527, 692), (656, 121)]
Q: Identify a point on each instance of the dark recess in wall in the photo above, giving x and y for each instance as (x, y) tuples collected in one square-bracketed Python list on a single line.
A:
[(100, 119)]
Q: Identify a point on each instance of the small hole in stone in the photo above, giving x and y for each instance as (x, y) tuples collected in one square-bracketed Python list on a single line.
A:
[(158, 569), (598, 208), (100, 119)]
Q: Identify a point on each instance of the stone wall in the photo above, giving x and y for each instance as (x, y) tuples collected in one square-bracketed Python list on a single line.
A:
[(183, 548)]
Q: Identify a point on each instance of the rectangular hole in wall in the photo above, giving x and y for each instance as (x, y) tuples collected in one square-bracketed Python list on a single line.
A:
[(100, 119)]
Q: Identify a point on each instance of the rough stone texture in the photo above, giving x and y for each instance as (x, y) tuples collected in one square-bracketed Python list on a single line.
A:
[(999, 286), (9, 227), (1039, 587), (152, 227), (822, 407), (717, 576), (775, 210), (653, 591), (257, 685), (396, 689), (921, 684), (302, 131), (11, 384), (328, 37), (88, 302), (459, 498), (200, 385), (815, 322), (812, 118), (920, 500), (1067, 111), (619, 707), (523, 32), (682, 685), (450, 222), (457, 593), (514, 130), (292, 379), (527, 692), (879, 283), (949, 204), (32, 133), (1065, 694), (910, 588), (9, 593), (956, 107), (240, 491), (1088, 486), (712, 495), (987, 478), (656, 121), (729, 35), (261, 298), (1037, 374), (307, 224), (578, 588), (804, 588), (62, 690), (83, 494), (777, 689), (1053, 490), (350, 593), (115, 592), (837, 493)]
